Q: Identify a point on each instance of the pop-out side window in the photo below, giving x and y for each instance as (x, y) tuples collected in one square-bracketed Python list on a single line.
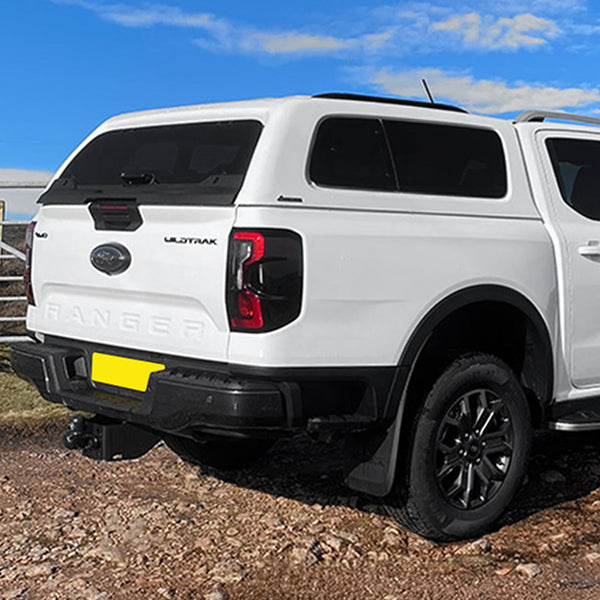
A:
[(352, 153), (420, 158), (576, 165)]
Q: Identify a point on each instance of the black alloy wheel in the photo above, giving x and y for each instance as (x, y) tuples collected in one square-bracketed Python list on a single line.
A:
[(474, 449), (467, 453)]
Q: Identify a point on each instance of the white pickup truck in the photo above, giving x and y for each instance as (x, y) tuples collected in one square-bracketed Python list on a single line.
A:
[(421, 281)]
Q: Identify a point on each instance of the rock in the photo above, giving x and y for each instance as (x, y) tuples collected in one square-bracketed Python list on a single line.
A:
[(481, 546), (334, 542), (345, 535), (504, 571), (392, 537), (228, 572), (39, 571), (217, 594), (307, 556), (64, 514), (15, 593), (108, 552), (552, 477), (593, 557), (528, 569)]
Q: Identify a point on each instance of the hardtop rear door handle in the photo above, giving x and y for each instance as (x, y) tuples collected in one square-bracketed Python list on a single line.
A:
[(591, 249)]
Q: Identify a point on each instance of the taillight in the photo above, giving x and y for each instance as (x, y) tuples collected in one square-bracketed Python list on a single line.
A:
[(264, 282), (27, 270)]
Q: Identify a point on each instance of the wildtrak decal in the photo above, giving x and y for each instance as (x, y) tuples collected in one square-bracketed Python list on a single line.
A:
[(191, 240)]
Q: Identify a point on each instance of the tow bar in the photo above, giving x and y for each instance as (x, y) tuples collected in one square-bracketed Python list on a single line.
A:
[(104, 439)]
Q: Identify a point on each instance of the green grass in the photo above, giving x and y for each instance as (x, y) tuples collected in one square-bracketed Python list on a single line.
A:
[(21, 406)]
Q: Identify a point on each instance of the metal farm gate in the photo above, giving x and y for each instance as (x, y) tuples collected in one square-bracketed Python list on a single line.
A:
[(13, 302)]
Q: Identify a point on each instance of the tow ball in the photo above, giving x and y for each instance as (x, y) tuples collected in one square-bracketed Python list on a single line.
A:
[(77, 438), (106, 439)]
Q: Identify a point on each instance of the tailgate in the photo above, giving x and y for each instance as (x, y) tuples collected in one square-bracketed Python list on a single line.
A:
[(169, 298)]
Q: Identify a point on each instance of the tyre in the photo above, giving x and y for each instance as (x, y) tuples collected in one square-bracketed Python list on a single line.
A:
[(222, 454), (468, 451)]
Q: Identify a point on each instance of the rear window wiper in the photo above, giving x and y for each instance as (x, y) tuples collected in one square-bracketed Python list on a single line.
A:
[(139, 178)]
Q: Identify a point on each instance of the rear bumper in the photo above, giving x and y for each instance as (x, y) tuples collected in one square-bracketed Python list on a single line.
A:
[(193, 397)]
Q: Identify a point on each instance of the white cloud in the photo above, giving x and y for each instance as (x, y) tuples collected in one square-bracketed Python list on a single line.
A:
[(224, 35), (505, 32), (482, 95), (283, 43), (291, 42), (150, 15)]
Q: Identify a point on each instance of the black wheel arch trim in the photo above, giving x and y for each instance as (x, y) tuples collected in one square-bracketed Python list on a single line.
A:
[(461, 299), (375, 474)]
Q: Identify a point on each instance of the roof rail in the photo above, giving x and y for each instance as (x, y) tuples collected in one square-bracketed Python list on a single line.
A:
[(385, 100), (538, 116)]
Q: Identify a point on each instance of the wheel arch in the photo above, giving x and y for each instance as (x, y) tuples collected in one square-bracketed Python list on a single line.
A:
[(478, 304), (517, 320)]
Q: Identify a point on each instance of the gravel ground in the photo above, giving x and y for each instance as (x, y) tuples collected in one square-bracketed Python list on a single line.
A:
[(158, 528)]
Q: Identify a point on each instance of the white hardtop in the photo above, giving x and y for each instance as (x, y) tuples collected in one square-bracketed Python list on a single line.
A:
[(196, 113)]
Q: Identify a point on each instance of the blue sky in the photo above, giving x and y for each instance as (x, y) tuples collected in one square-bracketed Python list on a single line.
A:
[(69, 64)]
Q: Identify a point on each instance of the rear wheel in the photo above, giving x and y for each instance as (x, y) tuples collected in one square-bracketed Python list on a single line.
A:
[(468, 451), (221, 454)]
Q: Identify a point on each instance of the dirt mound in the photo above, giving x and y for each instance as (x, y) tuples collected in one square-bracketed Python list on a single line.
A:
[(158, 528)]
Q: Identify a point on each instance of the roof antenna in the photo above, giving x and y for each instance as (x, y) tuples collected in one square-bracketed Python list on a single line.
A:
[(427, 90)]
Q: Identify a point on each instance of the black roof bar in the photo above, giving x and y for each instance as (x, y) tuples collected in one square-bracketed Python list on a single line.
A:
[(385, 100)]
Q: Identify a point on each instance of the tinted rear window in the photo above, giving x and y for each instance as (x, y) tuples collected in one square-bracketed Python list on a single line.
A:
[(207, 160), (404, 156)]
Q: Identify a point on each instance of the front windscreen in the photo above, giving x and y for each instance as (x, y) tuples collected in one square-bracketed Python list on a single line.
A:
[(202, 163)]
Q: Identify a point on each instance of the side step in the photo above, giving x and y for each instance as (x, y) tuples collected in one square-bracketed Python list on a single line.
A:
[(581, 420)]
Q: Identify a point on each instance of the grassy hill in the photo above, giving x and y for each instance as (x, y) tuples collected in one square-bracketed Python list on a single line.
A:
[(21, 407)]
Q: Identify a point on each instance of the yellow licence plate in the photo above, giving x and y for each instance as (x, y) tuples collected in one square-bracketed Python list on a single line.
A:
[(123, 372)]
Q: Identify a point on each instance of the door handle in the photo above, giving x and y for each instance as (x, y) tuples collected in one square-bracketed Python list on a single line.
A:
[(591, 250)]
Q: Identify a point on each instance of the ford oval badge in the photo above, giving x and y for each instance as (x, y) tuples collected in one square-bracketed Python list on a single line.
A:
[(111, 259)]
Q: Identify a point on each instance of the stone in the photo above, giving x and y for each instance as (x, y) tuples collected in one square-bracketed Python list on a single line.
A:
[(530, 570), (63, 513), (217, 594), (228, 572), (345, 535), (481, 546), (392, 537), (593, 557), (334, 542), (14, 594), (108, 552), (306, 556), (39, 571), (504, 571)]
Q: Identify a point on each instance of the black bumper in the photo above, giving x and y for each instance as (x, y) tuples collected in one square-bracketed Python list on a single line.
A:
[(192, 397), (176, 400)]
